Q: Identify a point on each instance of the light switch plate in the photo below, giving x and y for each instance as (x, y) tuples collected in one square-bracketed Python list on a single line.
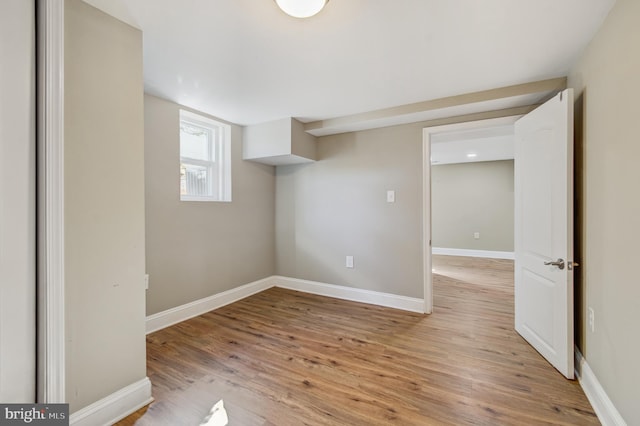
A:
[(349, 262), (391, 196)]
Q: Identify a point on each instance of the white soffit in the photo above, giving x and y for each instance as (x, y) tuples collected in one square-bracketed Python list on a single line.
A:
[(282, 160)]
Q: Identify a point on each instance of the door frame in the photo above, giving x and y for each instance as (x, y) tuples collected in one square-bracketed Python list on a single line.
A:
[(51, 375), (427, 133)]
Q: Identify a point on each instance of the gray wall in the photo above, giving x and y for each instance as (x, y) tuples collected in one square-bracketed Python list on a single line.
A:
[(197, 249), (337, 207), (104, 205), (17, 202), (472, 197), (607, 84)]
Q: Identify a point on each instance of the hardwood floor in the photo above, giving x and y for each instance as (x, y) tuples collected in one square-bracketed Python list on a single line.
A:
[(288, 358)]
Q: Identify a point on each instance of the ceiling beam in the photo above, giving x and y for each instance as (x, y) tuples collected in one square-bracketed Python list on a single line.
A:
[(480, 116), (402, 112)]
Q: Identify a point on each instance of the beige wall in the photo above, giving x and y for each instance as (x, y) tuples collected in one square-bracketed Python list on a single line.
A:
[(197, 249), (472, 197), (337, 207), (607, 87), (104, 205), (17, 202)]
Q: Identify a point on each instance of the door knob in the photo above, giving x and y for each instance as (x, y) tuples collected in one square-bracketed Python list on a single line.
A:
[(559, 263)]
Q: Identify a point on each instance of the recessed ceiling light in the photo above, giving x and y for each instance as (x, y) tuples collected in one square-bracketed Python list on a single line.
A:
[(472, 155), (301, 8)]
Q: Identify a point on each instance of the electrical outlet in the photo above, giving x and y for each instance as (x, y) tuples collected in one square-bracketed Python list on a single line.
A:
[(591, 319), (349, 262), (476, 235)]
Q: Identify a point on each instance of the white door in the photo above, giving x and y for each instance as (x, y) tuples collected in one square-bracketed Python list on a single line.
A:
[(544, 230)]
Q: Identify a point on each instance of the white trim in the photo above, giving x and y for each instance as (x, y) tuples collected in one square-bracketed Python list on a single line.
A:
[(51, 320), (181, 313), (352, 294), (602, 405), (489, 254), (426, 224), (116, 406)]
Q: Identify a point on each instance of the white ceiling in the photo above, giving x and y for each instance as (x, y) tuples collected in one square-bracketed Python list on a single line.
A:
[(485, 144), (247, 62)]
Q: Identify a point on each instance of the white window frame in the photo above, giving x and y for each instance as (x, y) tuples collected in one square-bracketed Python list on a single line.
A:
[(219, 168)]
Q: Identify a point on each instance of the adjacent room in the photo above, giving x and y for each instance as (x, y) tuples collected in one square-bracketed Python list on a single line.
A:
[(472, 213), (247, 212)]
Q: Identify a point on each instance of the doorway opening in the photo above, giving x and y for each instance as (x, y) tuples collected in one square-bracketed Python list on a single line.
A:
[(483, 152), (543, 218), (472, 211)]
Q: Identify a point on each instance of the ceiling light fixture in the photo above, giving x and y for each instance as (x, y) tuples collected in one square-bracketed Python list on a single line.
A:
[(472, 155), (301, 8)]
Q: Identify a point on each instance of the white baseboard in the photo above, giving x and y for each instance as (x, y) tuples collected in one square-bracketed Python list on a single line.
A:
[(181, 313), (474, 253), (353, 294), (116, 406), (602, 405), (178, 314)]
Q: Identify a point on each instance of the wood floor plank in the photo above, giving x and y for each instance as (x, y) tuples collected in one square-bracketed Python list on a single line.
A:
[(282, 358)]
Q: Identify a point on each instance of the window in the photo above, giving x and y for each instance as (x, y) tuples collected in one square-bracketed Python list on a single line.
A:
[(205, 159)]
